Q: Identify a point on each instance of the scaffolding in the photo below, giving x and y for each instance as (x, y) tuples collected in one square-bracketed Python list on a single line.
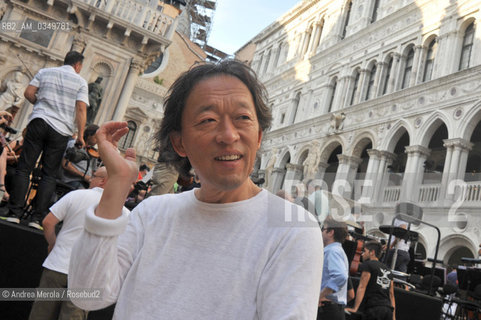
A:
[(201, 13)]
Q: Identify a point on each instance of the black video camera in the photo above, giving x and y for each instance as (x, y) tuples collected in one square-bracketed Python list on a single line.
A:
[(8, 129), (75, 154)]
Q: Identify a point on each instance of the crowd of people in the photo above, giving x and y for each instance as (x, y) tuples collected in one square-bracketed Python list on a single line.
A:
[(221, 248)]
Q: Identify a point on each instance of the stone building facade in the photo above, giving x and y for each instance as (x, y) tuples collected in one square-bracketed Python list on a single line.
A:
[(380, 101), (145, 109), (120, 40)]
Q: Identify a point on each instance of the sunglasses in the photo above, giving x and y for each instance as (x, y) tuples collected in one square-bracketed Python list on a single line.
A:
[(325, 228)]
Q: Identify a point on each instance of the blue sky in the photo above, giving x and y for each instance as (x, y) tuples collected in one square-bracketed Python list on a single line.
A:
[(238, 21)]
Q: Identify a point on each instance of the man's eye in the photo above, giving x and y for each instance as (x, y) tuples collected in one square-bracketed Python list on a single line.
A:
[(244, 117), (207, 120)]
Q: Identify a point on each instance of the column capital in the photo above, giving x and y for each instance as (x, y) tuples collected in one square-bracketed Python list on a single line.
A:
[(373, 153), (278, 170), (458, 143), (294, 167), (418, 149), (381, 64), (389, 156), (349, 160), (136, 65), (447, 35), (347, 76), (323, 165)]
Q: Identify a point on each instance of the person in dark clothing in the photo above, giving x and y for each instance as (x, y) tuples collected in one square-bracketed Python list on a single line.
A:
[(376, 288)]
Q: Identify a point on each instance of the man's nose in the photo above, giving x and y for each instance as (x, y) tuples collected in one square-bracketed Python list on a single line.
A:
[(227, 132)]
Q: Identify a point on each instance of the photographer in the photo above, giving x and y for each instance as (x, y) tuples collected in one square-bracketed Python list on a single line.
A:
[(77, 163)]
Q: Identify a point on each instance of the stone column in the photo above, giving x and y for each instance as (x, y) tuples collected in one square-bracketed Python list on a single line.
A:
[(275, 58), (293, 175), (380, 66), (311, 40), (371, 174), (300, 46), (321, 170), (342, 99), (129, 84), (423, 53), (418, 50), (317, 35), (382, 176), (457, 164), (262, 59), (346, 172), (277, 177), (110, 5), (446, 58), (361, 86), (339, 96), (305, 42), (447, 166), (268, 62), (324, 98), (413, 176), (395, 76)]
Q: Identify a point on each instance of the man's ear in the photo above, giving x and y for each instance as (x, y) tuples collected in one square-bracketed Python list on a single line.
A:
[(176, 140), (259, 139)]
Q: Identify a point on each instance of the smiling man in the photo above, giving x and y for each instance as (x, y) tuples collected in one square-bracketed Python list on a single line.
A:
[(221, 251)]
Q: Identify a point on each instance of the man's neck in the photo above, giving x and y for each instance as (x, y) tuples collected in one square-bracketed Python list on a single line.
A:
[(329, 242)]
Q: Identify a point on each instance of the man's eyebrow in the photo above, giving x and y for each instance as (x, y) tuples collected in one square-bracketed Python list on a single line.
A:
[(204, 109)]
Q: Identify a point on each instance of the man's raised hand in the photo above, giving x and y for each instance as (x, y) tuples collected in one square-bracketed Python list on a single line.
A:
[(122, 172)]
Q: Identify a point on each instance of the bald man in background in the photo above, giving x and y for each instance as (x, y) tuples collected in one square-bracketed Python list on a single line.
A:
[(71, 210)]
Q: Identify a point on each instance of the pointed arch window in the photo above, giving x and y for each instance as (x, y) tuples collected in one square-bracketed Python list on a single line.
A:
[(266, 64), (429, 63), (370, 85), (387, 76), (332, 95), (346, 21), (297, 99), (467, 47), (278, 54), (355, 87), (408, 67), (374, 11), (127, 140), (317, 40)]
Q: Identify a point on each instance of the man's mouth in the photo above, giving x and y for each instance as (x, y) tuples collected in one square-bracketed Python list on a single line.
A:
[(231, 157)]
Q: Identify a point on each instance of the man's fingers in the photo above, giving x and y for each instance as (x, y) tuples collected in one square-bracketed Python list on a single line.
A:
[(109, 128), (119, 133)]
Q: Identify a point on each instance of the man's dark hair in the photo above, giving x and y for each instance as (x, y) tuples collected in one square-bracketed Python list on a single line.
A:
[(144, 167), (90, 131), (72, 58), (373, 246), (339, 227), (182, 87)]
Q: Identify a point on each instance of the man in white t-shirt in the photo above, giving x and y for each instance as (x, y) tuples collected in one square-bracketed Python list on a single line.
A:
[(226, 250), (71, 210)]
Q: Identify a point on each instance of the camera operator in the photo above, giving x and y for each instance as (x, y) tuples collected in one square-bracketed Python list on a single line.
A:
[(78, 163)]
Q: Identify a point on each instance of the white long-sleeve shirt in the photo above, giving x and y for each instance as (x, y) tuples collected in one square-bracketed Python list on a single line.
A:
[(180, 258)]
